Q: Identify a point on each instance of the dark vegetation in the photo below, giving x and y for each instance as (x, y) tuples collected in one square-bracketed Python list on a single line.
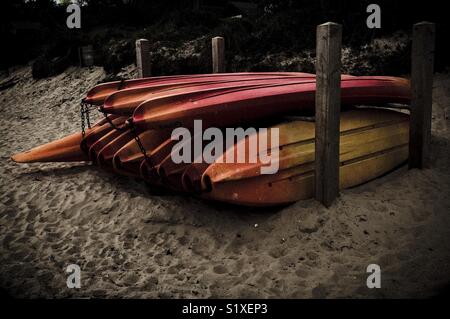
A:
[(277, 30)]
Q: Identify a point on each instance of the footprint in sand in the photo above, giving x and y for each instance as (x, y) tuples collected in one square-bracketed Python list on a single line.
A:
[(31, 215), (183, 240), (220, 269), (130, 279), (302, 273), (277, 252)]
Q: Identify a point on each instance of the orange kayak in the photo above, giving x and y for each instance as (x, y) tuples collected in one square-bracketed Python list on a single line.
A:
[(106, 154), (67, 149), (372, 142), (127, 160)]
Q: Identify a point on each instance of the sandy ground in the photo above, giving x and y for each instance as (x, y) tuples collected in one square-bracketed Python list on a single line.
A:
[(131, 242)]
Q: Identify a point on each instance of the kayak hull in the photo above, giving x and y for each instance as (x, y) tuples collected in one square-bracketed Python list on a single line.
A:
[(372, 141), (265, 102)]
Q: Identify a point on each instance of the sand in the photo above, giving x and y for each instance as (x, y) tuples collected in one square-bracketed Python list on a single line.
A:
[(133, 242)]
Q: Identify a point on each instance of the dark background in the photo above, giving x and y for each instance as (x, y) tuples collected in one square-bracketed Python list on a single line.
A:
[(37, 30)]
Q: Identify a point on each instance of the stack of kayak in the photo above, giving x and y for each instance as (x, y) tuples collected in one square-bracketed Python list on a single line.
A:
[(135, 136)]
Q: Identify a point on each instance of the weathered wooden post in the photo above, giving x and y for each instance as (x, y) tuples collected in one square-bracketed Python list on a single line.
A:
[(218, 55), (143, 58), (86, 55), (328, 104), (422, 60)]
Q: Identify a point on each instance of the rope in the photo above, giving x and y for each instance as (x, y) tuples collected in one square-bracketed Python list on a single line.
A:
[(137, 139), (114, 126), (85, 119), (128, 125)]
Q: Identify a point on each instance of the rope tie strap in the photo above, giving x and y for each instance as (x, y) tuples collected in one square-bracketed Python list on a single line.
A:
[(110, 122), (85, 117), (85, 120), (137, 138)]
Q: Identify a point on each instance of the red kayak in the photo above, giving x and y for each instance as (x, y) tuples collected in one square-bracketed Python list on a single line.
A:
[(126, 101), (237, 106), (100, 92)]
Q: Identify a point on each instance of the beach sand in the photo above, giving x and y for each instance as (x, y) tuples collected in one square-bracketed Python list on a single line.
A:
[(133, 242)]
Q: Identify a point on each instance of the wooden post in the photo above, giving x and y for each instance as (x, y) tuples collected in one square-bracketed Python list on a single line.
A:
[(218, 55), (328, 104), (87, 55), (143, 58), (422, 60)]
